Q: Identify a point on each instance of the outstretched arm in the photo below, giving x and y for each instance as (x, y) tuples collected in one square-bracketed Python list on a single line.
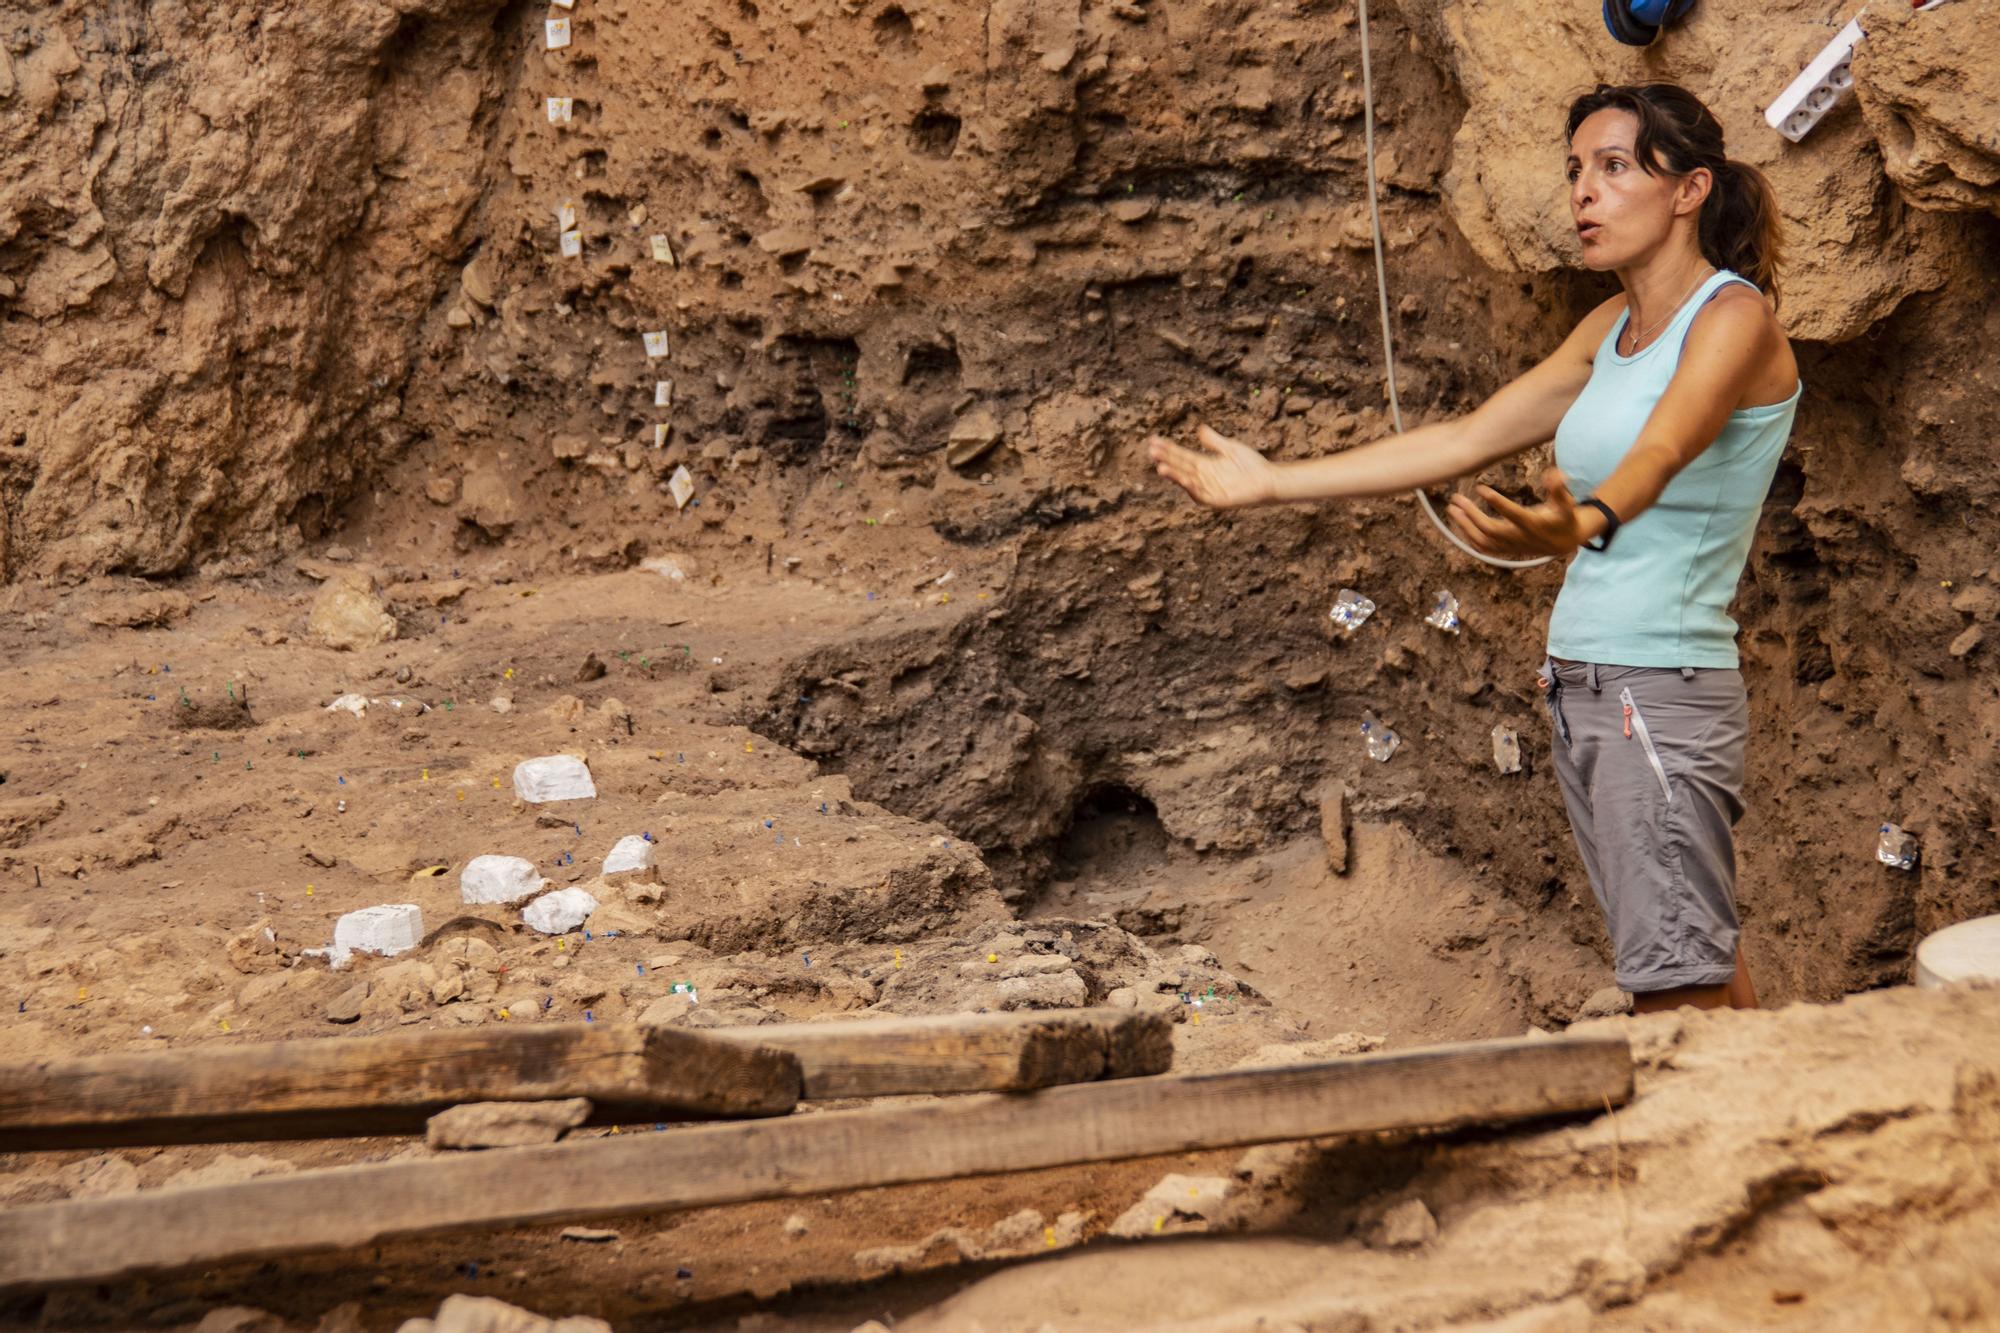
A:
[(1226, 474)]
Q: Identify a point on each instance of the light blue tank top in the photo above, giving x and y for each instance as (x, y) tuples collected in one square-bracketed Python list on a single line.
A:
[(1660, 596)]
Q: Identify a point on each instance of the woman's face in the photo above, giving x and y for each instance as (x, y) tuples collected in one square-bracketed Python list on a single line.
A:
[(1621, 212)]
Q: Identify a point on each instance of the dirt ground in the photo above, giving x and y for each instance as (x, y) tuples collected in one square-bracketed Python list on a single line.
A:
[(304, 399), (166, 845)]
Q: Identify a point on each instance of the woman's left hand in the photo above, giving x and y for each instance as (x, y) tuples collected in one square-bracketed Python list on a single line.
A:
[(1554, 527)]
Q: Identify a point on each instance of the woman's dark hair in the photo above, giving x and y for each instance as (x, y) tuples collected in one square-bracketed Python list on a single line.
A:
[(1739, 226)]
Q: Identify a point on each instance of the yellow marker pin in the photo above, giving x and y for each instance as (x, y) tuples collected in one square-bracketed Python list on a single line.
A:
[(225, 1025), (82, 993), (992, 957), (496, 782), (1160, 1222), (505, 1015), (561, 947), (461, 793), (508, 674), (614, 1129), (309, 890), (427, 775), (1049, 1235), (1195, 1019), (748, 748), (899, 958)]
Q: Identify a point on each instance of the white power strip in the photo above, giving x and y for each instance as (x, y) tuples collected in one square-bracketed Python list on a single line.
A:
[(1822, 85), (1818, 89)]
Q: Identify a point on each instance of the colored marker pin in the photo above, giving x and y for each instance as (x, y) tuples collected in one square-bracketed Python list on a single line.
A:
[(343, 782), (505, 1015), (1049, 1236), (225, 1025), (309, 890), (588, 1017), (427, 775), (82, 993), (562, 946), (640, 968), (992, 957)]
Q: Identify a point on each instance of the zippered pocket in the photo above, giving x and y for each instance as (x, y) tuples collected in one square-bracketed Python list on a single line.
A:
[(1636, 721)]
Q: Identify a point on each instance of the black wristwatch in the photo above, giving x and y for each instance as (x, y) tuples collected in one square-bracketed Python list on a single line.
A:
[(1603, 540)]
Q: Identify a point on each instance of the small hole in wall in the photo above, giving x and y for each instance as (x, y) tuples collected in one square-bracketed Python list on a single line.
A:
[(935, 133), (893, 29)]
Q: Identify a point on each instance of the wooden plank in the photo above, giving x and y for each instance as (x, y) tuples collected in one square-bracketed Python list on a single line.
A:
[(1016, 1052), (113, 1238), (345, 1086)]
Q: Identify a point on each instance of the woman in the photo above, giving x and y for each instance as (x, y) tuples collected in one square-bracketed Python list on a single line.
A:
[(1670, 405)]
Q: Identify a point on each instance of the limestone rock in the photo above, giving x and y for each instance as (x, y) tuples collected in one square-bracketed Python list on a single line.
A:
[(1177, 1204), (1407, 1226), (560, 912), (1928, 85), (499, 879), (346, 1007), (505, 1124), (486, 500), (348, 615)]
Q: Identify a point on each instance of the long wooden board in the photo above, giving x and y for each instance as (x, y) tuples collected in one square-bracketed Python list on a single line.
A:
[(333, 1087), (1016, 1052), (106, 1239)]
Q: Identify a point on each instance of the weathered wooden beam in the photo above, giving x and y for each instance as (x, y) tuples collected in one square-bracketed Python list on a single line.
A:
[(113, 1238), (339, 1087), (1016, 1052)]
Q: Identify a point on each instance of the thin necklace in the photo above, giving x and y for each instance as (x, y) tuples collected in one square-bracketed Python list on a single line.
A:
[(1657, 325)]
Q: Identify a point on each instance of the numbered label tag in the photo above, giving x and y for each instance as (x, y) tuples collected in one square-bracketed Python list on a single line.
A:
[(656, 344), (563, 4), (566, 216), (663, 393), (661, 430), (681, 486), (561, 110), (572, 245), (557, 32), (663, 252)]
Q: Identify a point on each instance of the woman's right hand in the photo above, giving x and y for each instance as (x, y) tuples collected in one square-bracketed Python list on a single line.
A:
[(1224, 474)]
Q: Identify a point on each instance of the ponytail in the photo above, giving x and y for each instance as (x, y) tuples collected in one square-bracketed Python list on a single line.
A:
[(1739, 227)]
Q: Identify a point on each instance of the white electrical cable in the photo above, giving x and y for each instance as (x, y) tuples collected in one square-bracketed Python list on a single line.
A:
[(1382, 295)]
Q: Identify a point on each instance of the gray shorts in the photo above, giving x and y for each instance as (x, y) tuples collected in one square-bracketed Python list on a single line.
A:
[(1651, 766)]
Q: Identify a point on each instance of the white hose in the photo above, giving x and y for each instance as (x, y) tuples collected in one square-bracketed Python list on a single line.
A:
[(1382, 295)]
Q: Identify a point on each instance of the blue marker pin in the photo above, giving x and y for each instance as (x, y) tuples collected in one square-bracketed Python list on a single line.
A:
[(647, 836), (343, 782), (640, 968), (767, 823), (587, 1017), (809, 959)]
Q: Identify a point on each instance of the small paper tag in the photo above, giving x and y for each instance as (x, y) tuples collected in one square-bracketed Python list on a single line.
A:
[(557, 31), (663, 393), (566, 216), (563, 4), (661, 430), (681, 486), (561, 110), (663, 252), (656, 344), (572, 244)]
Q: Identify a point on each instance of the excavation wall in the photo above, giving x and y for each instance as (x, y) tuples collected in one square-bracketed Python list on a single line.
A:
[(274, 274)]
